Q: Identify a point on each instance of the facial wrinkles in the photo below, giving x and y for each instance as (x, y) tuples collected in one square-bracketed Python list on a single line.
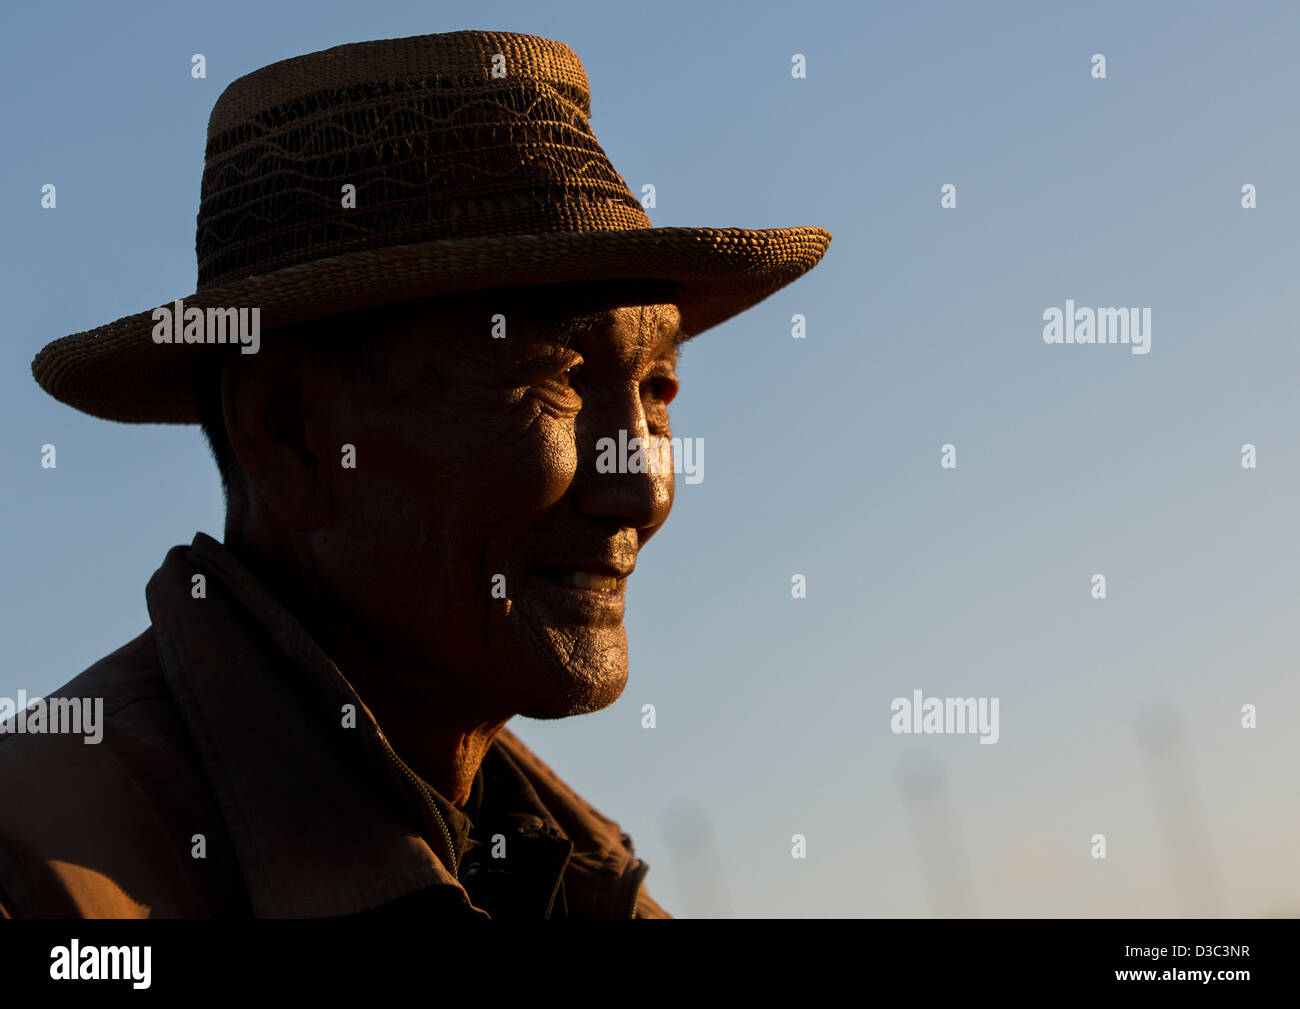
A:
[(480, 392), (640, 360), (518, 434), (651, 319), (616, 355)]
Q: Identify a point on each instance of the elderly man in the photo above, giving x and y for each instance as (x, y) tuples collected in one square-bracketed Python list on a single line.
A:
[(425, 298)]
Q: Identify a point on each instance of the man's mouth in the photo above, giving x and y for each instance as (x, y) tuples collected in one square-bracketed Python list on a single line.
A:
[(578, 590), (582, 579)]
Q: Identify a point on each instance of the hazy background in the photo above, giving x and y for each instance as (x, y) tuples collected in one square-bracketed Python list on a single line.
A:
[(822, 455)]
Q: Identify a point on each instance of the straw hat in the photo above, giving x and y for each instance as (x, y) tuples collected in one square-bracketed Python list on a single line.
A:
[(473, 165)]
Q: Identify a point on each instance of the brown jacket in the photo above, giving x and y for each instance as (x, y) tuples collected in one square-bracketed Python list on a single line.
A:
[(227, 784)]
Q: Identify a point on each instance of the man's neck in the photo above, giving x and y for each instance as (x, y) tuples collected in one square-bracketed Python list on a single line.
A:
[(424, 716)]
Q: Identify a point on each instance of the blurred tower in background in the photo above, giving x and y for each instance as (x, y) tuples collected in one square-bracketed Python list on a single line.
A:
[(936, 833), (1198, 885), (693, 852)]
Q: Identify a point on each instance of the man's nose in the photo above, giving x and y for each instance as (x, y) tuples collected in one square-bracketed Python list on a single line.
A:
[(615, 481)]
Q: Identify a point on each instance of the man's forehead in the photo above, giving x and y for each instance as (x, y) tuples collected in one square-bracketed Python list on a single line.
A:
[(504, 324), (560, 315), (573, 308)]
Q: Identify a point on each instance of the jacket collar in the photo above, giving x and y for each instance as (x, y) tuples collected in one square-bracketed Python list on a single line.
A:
[(324, 819)]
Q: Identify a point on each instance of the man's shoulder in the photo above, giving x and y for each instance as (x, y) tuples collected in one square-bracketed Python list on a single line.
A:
[(130, 673), (120, 700), (103, 795)]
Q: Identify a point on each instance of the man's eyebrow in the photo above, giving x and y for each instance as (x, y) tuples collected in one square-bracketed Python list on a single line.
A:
[(564, 331)]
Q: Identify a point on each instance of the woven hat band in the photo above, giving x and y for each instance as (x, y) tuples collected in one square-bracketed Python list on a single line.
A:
[(454, 153)]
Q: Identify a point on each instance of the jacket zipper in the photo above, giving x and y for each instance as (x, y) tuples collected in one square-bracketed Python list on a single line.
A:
[(429, 805), (638, 875)]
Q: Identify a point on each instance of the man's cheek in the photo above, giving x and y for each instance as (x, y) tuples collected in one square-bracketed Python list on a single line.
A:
[(532, 470), (559, 459)]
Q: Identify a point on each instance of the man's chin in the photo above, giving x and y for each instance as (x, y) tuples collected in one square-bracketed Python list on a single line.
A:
[(561, 690), (570, 670)]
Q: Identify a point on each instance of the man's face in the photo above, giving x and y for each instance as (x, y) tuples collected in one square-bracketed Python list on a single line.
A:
[(476, 532)]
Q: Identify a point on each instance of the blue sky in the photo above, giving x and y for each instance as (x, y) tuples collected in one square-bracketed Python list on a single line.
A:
[(924, 328)]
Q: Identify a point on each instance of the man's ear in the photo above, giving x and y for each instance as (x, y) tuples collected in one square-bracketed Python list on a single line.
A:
[(272, 413)]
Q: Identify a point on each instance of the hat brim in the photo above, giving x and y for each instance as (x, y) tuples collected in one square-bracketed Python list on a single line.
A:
[(118, 372)]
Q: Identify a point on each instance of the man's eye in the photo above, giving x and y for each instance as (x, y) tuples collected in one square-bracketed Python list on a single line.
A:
[(564, 377)]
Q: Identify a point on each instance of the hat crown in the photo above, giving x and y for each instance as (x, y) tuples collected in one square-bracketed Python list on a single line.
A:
[(461, 135)]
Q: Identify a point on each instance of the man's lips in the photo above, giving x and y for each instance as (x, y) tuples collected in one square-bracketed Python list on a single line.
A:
[(586, 577)]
